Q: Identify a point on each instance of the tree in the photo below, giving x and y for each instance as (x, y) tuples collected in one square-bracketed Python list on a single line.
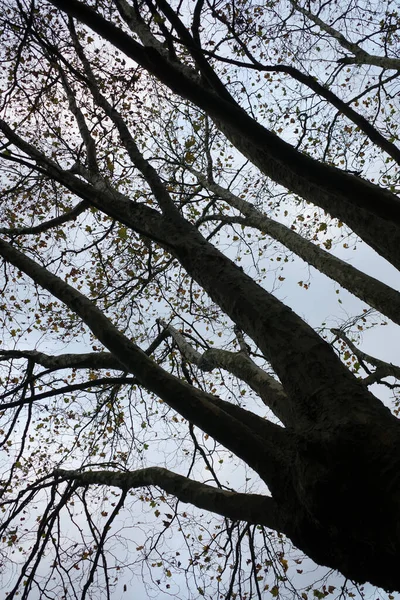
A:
[(126, 194)]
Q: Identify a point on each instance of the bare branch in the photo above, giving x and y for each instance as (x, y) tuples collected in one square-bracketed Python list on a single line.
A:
[(92, 360), (50, 224), (383, 369), (360, 56), (253, 508), (239, 364), (68, 389)]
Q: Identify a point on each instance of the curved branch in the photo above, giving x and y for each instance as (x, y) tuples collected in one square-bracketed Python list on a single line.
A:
[(360, 56), (253, 508), (383, 368), (269, 389), (73, 387), (266, 455), (46, 225)]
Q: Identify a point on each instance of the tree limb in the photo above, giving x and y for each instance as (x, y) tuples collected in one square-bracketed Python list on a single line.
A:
[(269, 389), (193, 404), (253, 508), (367, 288), (360, 56), (50, 224), (383, 368)]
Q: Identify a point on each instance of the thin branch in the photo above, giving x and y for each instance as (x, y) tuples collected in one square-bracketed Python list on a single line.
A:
[(343, 107), (82, 126), (360, 56), (68, 389), (150, 174), (383, 368), (46, 225)]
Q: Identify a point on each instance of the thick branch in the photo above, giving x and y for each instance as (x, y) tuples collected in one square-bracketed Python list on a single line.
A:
[(385, 62), (269, 389), (91, 360), (370, 290), (191, 403), (253, 508), (344, 196)]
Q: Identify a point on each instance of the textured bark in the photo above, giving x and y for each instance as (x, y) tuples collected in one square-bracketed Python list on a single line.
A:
[(92, 360), (235, 506), (349, 499)]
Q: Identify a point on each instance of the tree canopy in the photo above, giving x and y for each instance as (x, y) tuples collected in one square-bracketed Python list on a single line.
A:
[(164, 165)]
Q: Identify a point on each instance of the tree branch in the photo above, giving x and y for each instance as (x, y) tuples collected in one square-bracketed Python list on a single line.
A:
[(50, 224), (266, 455), (97, 193), (360, 56), (269, 389), (73, 387), (367, 288), (383, 368), (253, 508)]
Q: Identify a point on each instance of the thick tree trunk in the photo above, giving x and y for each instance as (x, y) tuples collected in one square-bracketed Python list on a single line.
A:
[(346, 500)]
